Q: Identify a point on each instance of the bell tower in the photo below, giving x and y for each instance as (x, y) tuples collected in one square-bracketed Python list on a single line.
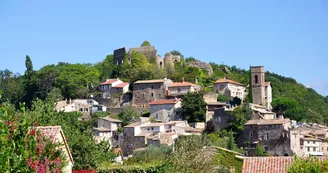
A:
[(258, 88)]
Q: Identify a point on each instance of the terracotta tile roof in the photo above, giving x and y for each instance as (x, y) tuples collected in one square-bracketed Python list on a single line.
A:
[(266, 84), (223, 80), (114, 120), (310, 139), (52, 132), (278, 164), (164, 102), (150, 81), (108, 82), (267, 122), (183, 84), (216, 103), (144, 134), (266, 164), (121, 85)]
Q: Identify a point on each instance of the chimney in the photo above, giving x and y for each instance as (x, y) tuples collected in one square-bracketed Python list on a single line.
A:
[(70, 100), (196, 80), (117, 79), (224, 78), (182, 79)]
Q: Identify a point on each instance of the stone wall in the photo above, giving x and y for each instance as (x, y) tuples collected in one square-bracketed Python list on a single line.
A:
[(201, 65), (210, 97), (148, 51), (220, 119), (119, 55)]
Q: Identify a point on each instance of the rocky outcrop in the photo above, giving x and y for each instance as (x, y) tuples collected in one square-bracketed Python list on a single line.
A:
[(201, 65)]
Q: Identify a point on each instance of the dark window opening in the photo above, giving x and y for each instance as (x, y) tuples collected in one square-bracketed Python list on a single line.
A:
[(256, 79), (152, 94)]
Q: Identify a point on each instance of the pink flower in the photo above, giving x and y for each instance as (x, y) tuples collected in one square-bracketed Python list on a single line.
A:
[(12, 128), (11, 123), (4, 121), (57, 170), (35, 164), (29, 161), (41, 168), (39, 149), (57, 160), (33, 132)]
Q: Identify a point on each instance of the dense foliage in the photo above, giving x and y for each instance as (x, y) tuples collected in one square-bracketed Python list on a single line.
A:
[(194, 107), (78, 134), (309, 164), (23, 148)]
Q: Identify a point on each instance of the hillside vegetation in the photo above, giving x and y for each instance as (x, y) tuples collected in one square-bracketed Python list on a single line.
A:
[(65, 80)]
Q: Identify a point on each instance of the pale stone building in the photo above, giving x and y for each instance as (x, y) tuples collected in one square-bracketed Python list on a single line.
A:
[(178, 89), (165, 110), (106, 87), (229, 88), (261, 90), (121, 88), (107, 130)]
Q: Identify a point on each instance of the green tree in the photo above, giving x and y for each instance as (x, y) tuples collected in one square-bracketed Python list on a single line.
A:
[(194, 107), (309, 164), (29, 82), (231, 141), (288, 107), (127, 115), (259, 151), (238, 117), (145, 43), (223, 98)]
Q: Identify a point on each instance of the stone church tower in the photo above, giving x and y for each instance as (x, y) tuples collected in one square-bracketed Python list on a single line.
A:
[(258, 88)]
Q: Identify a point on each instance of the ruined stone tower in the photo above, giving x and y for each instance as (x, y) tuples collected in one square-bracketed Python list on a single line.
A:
[(258, 88)]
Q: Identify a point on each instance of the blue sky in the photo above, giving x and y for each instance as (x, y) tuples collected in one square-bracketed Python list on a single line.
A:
[(287, 37)]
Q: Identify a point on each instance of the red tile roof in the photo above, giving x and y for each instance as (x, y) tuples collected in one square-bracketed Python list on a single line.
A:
[(266, 164), (267, 84), (223, 80), (164, 102), (269, 164), (121, 85), (108, 82), (183, 84)]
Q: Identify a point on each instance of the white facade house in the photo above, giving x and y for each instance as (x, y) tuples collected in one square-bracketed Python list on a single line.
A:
[(164, 110), (311, 147), (268, 93), (106, 86), (181, 88), (121, 88), (73, 106), (106, 130), (229, 88)]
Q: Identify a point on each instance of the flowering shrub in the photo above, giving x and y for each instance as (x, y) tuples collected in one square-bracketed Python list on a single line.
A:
[(23, 148)]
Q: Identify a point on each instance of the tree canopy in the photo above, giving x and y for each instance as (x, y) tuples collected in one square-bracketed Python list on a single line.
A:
[(194, 107)]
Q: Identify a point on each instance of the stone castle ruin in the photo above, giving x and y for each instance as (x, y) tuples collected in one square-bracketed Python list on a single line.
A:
[(149, 52)]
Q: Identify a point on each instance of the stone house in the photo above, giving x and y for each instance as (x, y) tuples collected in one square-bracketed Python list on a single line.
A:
[(106, 87), (261, 90), (165, 110), (178, 89), (229, 88), (140, 135), (145, 91), (272, 134), (309, 139), (107, 130), (57, 135)]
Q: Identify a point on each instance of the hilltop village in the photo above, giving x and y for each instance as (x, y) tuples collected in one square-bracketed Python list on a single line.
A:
[(137, 111), (160, 103)]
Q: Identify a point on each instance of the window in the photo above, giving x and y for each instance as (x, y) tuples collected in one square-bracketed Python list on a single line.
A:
[(219, 119), (168, 114), (159, 95), (156, 115), (266, 148), (152, 94), (251, 134), (308, 148), (139, 139), (81, 109), (256, 79), (152, 86)]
